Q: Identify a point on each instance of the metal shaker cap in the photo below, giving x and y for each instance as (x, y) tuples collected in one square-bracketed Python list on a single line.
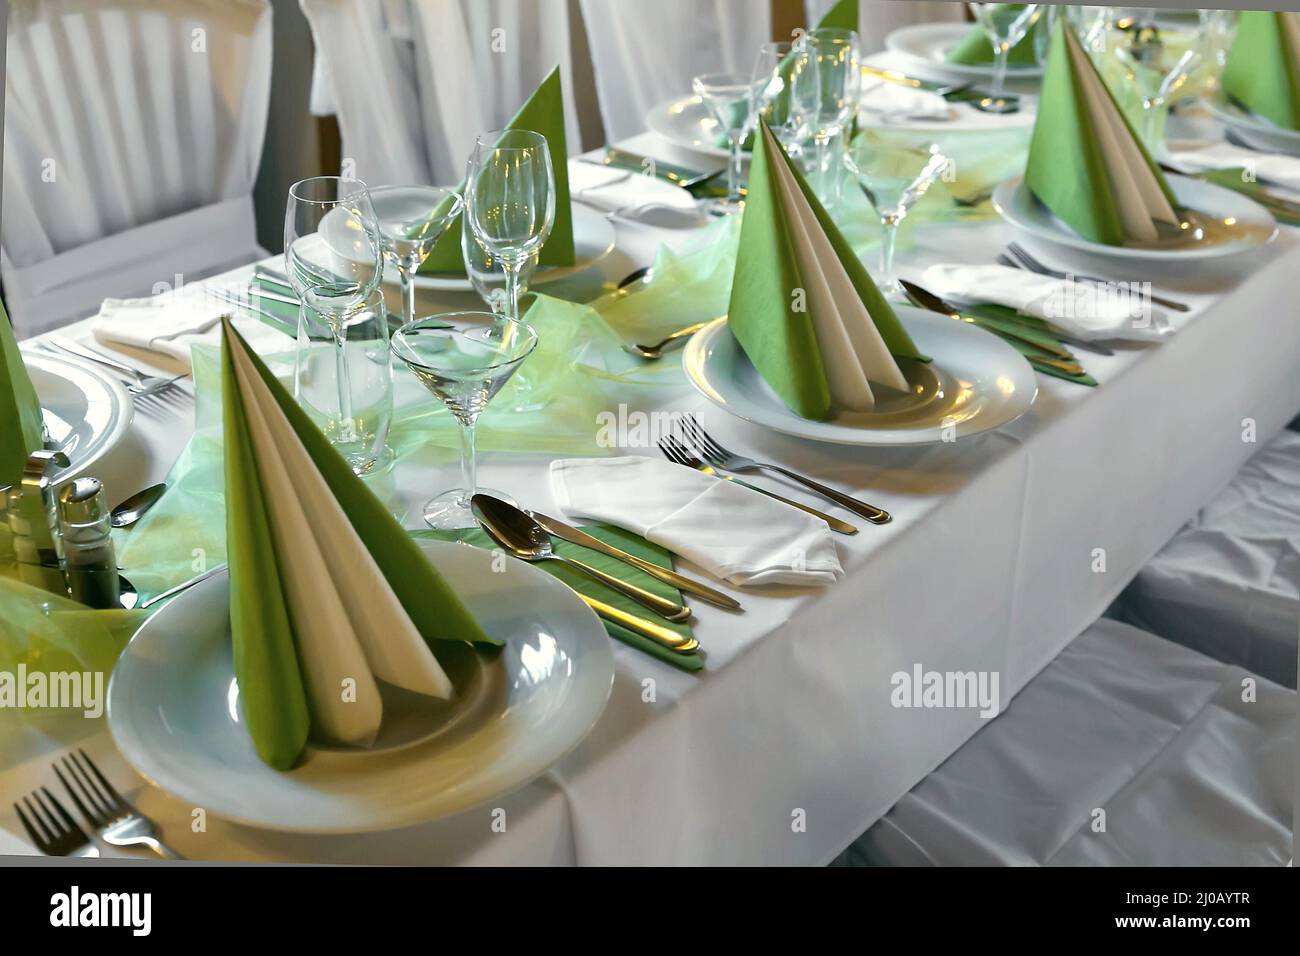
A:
[(81, 501)]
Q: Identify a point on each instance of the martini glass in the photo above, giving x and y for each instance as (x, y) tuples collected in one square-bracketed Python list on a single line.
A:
[(729, 97), (893, 174), (1158, 71), (1005, 24), (464, 359), (410, 220)]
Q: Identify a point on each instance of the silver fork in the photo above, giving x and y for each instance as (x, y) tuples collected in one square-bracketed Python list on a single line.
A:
[(115, 821), (141, 386), (51, 827), (1021, 255), (719, 457), (675, 451)]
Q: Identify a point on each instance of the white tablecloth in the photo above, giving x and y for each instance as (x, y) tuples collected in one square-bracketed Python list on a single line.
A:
[(787, 746)]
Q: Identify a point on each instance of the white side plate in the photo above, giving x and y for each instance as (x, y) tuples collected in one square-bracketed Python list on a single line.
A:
[(86, 409)]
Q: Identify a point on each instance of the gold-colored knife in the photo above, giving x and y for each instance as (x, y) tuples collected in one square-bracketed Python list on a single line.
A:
[(680, 581), (639, 625)]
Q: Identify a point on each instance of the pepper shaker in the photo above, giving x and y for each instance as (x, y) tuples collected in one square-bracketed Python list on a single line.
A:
[(88, 554)]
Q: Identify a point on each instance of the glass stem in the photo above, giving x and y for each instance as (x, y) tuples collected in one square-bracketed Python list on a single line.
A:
[(888, 239), (468, 462), (733, 167), (347, 427), (511, 271), (1000, 71), (408, 293)]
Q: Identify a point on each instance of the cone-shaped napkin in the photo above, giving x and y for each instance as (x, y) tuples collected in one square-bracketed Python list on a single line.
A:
[(975, 47), (842, 16), (327, 593), (543, 113), (1085, 163), (21, 430), (1263, 68), (803, 307)]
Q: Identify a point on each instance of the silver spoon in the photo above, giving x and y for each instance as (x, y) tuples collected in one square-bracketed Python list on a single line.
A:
[(652, 352), (524, 538), (133, 509)]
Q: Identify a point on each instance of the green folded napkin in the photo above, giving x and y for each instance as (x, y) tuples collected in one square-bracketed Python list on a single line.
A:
[(768, 308), (543, 113), (1014, 328), (1067, 168), (1234, 178), (21, 428), (274, 692), (631, 543), (975, 47), (1263, 68)]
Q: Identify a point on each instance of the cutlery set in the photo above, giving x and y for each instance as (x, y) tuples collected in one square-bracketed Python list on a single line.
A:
[(112, 820), (164, 390)]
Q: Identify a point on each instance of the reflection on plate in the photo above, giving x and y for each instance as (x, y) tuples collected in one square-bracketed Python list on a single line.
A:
[(976, 382), (927, 44), (173, 710), (593, 240), (86, 409), (1240, 224)]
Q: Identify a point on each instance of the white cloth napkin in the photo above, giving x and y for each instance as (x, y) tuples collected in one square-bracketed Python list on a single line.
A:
[(633, 195), (898, 101), (171, 323), (734, 533), (1269, 168), (1082, 309)]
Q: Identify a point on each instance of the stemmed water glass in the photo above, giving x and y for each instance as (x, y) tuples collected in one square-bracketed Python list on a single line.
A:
[(825, 83), (464, 359), (1158, 70), (771, 82), (334, 261), (410, 221), (510, 202), (1005, 24), (893, 173), (729, 97)]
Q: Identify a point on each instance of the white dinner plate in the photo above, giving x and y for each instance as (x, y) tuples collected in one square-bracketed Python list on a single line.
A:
[(86, 409), (1253, 223), (1252, 130), (593, 240), (976, 382), (685, 121), (173, 711), (927, 44)]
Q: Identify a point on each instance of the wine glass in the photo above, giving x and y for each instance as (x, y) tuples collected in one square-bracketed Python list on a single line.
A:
[(1158, 70), (464, 359), (410, 220), (1005, 24), (893, 172), (826, 82), (334, 261), (729, 97), (510, 202), (770, 83)]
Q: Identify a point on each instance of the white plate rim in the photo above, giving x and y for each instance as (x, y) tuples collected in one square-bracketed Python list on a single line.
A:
[(933, 33), (1246, 125), (790, 424), (596, 221), (132, 750), (112, 387), (1008, 191)]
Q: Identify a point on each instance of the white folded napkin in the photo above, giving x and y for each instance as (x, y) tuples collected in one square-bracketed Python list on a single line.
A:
[(1268, 168), (1083, 309), (172, 322), (633, 195), (734, 533), (898, 101)]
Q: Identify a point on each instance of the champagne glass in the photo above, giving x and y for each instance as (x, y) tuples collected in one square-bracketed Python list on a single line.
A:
[(893, 173), (771, 82), (826, 82), (334, 261), (1005, 24), (464, 359), (410, 220), (729, 97), (510, 202)]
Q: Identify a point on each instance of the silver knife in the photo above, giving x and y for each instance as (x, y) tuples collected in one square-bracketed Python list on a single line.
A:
[(681, 582)]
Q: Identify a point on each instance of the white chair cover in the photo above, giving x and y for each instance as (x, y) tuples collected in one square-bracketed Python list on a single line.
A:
[(1228, 584), (1153, 734), (132, 136), (876, 18), (645, 53), (413, 82)]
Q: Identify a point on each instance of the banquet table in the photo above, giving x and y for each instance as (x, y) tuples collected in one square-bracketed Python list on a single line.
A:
[(1003, 547)]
